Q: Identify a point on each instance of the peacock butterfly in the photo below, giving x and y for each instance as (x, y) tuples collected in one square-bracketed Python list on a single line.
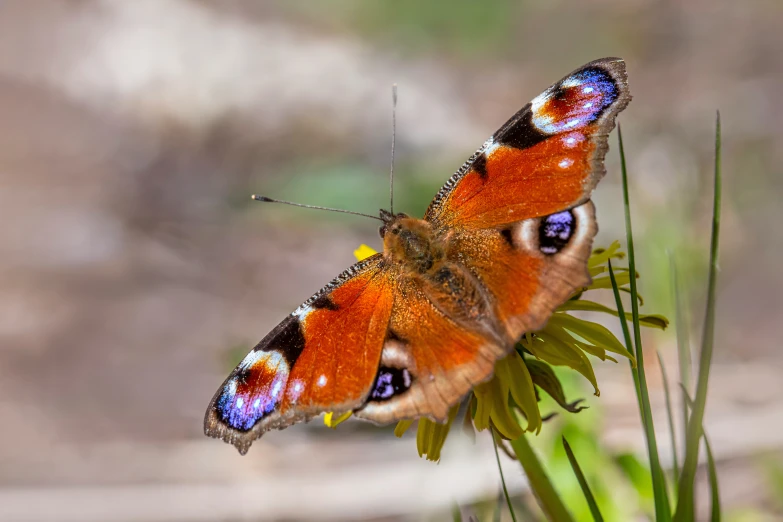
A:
[(408, 332)]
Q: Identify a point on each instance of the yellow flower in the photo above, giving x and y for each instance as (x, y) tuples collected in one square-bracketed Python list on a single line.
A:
[(566, 340)]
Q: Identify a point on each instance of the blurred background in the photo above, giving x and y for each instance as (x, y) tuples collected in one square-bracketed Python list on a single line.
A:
[(135, 271)]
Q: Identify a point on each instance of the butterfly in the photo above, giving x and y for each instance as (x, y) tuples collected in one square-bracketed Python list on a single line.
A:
[(408, 332)]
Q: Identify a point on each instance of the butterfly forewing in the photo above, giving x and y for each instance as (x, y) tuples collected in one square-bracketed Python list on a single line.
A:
[(545, 159), (322, 357)]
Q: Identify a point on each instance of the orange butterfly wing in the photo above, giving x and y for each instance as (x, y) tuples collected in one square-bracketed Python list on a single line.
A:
[(545, 159), (323, 357)]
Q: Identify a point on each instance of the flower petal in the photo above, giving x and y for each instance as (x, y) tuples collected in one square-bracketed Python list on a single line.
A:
[(492, 409), (401, 427), (431, 436), (601, 256), (332, 422), (549, 348), (363, 252), (514, 374)]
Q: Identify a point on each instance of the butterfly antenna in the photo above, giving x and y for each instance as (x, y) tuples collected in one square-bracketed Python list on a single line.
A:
[(394, 134), (265, 199)]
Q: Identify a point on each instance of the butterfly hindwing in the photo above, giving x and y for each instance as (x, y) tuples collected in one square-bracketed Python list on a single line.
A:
[(545, 159), (530, 267), (323, 357), (432, 356)]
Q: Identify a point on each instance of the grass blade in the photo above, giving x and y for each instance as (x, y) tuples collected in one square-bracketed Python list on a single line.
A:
[(715, 515), (502, 479), (542, 487), (685, 503), (670, 413), (583, 483), (683, 336), (626, 334), (682, 326), (662, 508)]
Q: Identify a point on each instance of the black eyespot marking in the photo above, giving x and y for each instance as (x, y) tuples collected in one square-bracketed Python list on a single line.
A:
[(508, 236), (519, 132), (555, 232), (480, 165), (389, 383), (323, 301), (287, 338)]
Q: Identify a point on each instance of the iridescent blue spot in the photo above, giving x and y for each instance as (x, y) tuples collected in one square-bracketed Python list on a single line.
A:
[(555, 232), (575, 102), (390, 382), (254, 390), (241, 410)]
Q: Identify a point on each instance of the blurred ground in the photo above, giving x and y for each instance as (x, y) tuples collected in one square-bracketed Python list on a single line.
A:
[(132, 133)]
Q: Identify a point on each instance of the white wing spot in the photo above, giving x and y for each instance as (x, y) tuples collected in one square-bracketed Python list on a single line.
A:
[(240, 402), (302, 312), (489, 147), (251, 359), (322, 380), (587, 90), (564, 164), (256, 403), (588, 105)]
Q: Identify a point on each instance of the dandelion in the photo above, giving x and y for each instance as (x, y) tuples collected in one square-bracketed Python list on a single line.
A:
[(508, 403)]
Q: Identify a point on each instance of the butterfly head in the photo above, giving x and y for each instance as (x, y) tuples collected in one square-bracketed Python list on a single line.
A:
[(408, 241), (389, 219)]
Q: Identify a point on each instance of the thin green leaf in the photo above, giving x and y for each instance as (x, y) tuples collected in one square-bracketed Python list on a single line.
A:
[(662, 507), (583, 483), (686, 504), (545, 378), (715, 511), (594, 333), (683, 342), (715, 514), (672, 434), (542, 487), (502, 479), (649, 320)]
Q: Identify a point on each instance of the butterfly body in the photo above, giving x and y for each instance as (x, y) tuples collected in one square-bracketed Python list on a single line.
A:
[(408, 332)]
